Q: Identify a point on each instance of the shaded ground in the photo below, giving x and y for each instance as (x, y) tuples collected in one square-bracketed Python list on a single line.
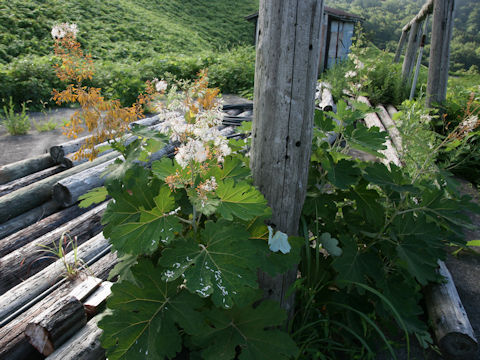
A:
[(21, 147)]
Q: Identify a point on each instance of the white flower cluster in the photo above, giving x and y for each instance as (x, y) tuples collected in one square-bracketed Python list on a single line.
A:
[(193, 150), (64, 29), (209, 185), (350, 74), (160, 85), (356, 61), (470, 123), (198, 140)]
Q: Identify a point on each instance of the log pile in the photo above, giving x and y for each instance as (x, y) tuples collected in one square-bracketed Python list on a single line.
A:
[(42, 311)]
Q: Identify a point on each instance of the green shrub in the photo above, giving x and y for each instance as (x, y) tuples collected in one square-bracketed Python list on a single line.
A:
[(29, 79), (16, 123)]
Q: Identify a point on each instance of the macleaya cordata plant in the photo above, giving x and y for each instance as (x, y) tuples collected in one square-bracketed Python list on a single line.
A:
[(190, 231), (105, 119)]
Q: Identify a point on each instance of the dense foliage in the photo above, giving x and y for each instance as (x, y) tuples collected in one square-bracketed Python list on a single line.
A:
[(124, 29), (232, 71), (384, 21)]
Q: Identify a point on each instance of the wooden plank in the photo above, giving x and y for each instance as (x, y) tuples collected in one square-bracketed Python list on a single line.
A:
[(286, 71), (26, 167), (103, 266), (94, 304), (41, 281)]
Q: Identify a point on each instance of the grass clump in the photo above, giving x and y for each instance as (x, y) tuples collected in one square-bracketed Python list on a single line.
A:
[(16, 123)]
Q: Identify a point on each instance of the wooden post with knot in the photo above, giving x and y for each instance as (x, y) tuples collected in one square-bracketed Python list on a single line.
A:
[(286, 72)]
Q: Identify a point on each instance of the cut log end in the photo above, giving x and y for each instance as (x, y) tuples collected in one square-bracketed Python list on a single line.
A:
[(61, 195), (459, 345), (38, 337), (57, 154)]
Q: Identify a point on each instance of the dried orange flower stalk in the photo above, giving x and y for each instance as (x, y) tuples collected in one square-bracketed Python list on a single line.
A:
[(105, 119)]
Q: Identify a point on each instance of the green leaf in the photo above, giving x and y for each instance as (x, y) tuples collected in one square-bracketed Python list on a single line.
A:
[(123, 268), (245, 128), (251, 331), (138, 218), (94, 196), (355, 265), (330, 244), (473, 243), (343, 174), (232, 168), (370, 140), (144, 321), (221, 266), (392, 179), (241, 200), (164, 167), (367, 204), (323, 122), (418, 259)]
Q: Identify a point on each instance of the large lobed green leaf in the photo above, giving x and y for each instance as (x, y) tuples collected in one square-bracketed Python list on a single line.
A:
[(221, 266), (143, 324), (138, 217), (251, 331), (241, 200)]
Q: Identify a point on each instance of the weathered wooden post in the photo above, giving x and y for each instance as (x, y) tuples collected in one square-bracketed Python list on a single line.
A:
[(442, 26), (286, 70), (401, 44), (414, 38)]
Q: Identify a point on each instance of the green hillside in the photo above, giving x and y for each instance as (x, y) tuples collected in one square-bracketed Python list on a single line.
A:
[(125, 29)]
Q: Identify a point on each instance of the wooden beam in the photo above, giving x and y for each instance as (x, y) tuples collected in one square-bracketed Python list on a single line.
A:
[(28, 218), (285, 80), (29, 179), (13, 343), (26, 167), (426, 9), (67, 191), (442, 27), (371, 120)]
